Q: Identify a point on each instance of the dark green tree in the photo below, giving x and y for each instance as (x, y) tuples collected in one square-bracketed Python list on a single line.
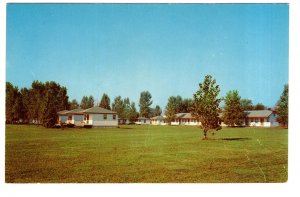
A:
[(91, 101), (178, 103), (39, 104), (55, 99), (133, 115), (87, 102), (105, 102), (126, 108), (13, 103), (37, 92), (233, 113), (156, 111), (84, 102), (259, 106), (283, 107), (205, 106), (74, 104), (145, 103), (182, 105), (247, 104), (185, 105), (28, 104), (118, 106), (171, 109)]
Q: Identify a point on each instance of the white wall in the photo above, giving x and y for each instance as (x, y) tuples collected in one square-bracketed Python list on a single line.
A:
[(139, 122), (98, 120), (158, 122)]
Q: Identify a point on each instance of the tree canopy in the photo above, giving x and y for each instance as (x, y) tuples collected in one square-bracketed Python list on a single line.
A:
[(87, 102), (145, 103), (39, 104), (74, 104), (283, 107), (233, 112), (171, 109), (118, 106), (156, 111), (206, 105), (13, 103), (246, 104), (259, 106), (105, 102)]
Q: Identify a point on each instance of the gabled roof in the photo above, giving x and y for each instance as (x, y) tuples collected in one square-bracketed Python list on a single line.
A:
[(64, 112), (258, 113), (98, 110), (157, 118)]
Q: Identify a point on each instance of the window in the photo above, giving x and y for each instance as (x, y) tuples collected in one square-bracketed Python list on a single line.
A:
[(104, 116), (267, 120), (114, 117)]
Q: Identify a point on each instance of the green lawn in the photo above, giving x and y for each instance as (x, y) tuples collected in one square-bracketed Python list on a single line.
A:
[(143, 154)]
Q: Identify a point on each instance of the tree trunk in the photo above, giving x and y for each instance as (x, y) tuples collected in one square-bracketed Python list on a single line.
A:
[(205, 134)]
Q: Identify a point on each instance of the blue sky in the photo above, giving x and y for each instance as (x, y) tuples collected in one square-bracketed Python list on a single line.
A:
[(167, 49)]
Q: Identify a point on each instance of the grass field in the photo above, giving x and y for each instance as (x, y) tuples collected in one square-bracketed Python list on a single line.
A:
[(143, 154)]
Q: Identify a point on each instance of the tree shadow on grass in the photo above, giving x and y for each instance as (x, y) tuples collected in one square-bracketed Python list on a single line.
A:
[(233, 138)]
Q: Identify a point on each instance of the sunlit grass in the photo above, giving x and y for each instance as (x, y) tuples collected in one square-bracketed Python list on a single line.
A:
[(145, 154)]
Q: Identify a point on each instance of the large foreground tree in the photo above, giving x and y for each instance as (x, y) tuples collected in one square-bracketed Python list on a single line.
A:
[(205, 105), (283, 107), (233, 113)]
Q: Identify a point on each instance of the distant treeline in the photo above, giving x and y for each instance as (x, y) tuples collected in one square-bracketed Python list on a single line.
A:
[(40, 104)]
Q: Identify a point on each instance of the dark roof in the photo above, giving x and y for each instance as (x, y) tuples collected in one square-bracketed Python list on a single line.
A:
[(98, 110), (258, 113)]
